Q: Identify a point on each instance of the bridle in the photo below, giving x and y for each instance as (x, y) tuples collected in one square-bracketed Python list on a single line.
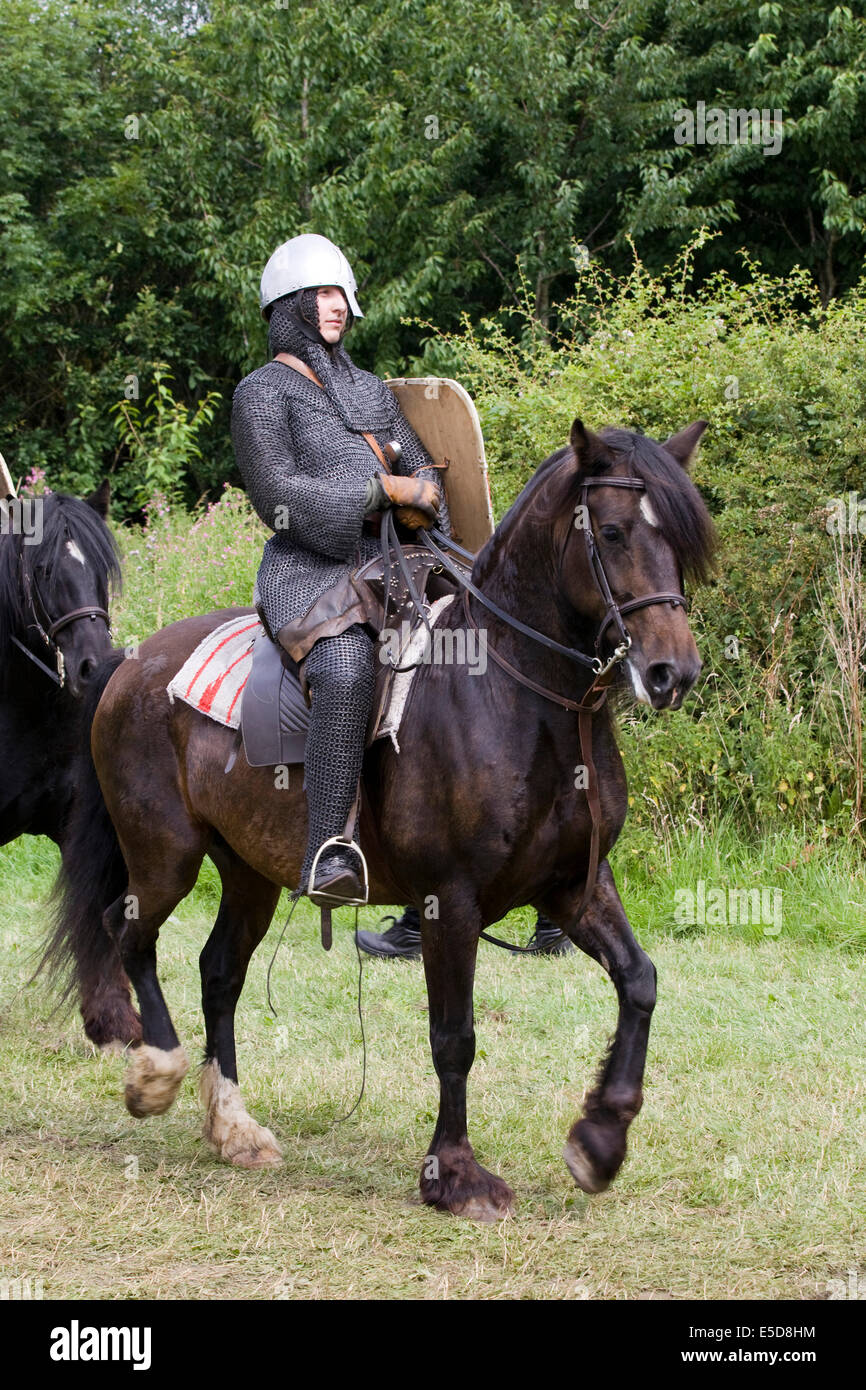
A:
[(614, 611), (601, 669), (46, 627), (613, 614)]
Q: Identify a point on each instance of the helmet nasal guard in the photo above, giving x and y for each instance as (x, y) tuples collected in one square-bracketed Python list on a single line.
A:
[(307, 262)]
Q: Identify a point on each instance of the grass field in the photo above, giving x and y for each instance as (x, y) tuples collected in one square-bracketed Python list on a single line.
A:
[(745, 1176)]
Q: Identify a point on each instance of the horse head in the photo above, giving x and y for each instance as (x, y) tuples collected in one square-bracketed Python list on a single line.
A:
[(58, 562), (630, 526)]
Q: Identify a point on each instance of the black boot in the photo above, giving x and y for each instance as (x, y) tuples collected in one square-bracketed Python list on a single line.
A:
[(337, 881), (403, 940), (547, 939)]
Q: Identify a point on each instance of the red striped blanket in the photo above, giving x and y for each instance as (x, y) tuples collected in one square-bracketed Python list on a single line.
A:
[(212, 679)]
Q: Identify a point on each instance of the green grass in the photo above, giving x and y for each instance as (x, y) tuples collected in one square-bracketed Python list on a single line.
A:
[(745, 1176)]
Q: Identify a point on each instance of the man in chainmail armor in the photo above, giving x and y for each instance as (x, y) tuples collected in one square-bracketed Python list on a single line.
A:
[(305, 428)]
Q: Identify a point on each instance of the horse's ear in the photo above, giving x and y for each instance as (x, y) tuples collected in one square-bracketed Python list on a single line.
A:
[(684, 446), (100, 499), (585, 444)]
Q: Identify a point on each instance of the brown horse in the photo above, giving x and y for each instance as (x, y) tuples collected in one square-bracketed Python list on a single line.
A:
[(479, 813)]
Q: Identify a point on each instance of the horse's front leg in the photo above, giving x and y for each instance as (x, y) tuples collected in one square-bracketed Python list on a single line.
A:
[(451, 1179), (596, 1145)]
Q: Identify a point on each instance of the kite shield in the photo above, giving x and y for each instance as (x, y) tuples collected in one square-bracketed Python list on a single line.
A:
[(444, 418)]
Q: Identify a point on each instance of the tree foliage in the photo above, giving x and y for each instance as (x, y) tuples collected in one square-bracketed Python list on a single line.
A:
[(155, 153)]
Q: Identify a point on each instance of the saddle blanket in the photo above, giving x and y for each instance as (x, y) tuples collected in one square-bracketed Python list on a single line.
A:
[(212, 680)]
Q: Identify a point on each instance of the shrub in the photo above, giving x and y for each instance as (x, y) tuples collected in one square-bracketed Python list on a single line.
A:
[(782, 382)]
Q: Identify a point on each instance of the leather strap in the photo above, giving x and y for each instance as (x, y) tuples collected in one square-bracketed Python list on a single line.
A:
[(52, 675), (518, 675), (74, 616), (465, 583), (326, 925), (298, 365)]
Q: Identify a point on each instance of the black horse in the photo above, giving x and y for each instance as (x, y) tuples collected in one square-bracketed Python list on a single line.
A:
[(55, 581), (481, 811)]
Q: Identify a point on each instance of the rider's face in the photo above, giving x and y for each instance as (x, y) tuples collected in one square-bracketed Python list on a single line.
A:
[(333, 311)]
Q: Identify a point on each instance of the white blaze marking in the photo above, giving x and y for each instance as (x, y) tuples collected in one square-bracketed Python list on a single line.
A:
[(647, 512), (75, 552), (638, 686)]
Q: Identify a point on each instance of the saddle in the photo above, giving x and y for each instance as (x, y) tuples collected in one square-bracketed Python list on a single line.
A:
[(275, 713)]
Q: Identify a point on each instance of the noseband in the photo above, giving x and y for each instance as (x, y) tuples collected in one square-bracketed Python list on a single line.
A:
[(43, 623)]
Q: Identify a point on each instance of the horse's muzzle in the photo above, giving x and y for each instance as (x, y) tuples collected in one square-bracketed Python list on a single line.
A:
[(668, 684)]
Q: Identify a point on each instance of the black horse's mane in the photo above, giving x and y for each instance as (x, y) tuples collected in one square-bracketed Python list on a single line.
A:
[(64, 519), (680, 510)]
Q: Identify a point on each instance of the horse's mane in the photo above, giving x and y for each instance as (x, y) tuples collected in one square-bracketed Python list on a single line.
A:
[(64, 519), (680, 510)]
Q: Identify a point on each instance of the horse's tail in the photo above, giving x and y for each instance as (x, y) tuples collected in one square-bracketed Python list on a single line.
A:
[(80, 957)]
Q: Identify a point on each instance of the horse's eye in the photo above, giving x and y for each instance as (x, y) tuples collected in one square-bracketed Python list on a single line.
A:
[(611, 533)]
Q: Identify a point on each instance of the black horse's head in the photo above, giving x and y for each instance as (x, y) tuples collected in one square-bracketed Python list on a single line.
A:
[(58, 564), (629, 526)]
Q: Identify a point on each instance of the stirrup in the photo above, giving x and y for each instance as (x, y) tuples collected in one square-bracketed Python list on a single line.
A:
[(340, 842)]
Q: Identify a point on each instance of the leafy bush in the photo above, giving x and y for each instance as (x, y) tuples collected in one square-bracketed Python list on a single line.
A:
[(782, 382), (160, 441), (177, 565)]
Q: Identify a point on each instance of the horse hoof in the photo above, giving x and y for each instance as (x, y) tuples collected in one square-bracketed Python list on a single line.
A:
[(229, 1130), (244, 1145), (153, 1079), (453, 1181), (581, 1169), (486, 1209), (264, 1153)]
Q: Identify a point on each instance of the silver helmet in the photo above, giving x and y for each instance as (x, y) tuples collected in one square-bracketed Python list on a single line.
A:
[(306, 262)]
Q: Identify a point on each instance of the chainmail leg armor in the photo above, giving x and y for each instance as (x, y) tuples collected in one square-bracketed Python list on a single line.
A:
[(340, 673), (305, 464)]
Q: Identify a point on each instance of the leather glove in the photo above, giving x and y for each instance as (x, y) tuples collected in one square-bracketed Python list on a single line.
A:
[(416, 500)]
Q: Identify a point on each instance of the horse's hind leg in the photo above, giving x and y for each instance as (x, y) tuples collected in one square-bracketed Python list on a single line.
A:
[(596, 1145), (110, 1021), (451, 1179), (246, 908), (159, 879)]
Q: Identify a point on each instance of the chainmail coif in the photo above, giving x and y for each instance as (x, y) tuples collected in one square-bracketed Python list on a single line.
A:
[(305, 463), (293, 328)]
